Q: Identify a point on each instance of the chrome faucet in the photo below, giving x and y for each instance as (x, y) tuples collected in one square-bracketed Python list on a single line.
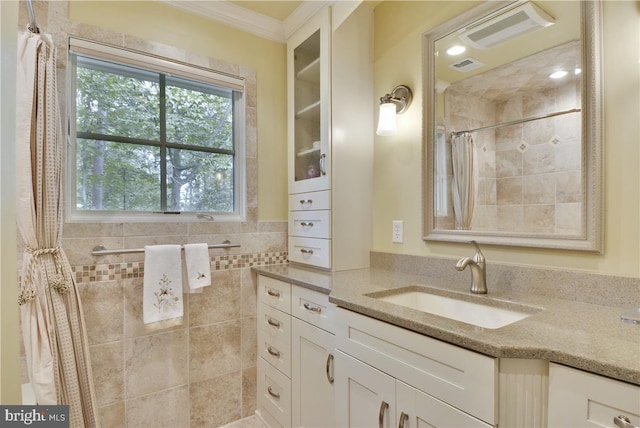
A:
[(478, 270)]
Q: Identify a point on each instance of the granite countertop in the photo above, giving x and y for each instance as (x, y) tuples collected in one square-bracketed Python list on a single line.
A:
[(581, 335)]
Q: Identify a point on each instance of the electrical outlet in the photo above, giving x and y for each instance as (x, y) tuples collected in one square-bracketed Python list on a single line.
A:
[(397, 233)]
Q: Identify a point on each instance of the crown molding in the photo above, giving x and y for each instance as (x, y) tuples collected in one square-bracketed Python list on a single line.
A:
[(234, 16), (249, 21), (302, 14)]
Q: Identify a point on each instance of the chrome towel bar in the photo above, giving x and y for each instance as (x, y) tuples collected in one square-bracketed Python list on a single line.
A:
[(100, 250)]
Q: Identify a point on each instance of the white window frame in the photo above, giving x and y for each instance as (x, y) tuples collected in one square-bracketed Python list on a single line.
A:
[(155, 63)]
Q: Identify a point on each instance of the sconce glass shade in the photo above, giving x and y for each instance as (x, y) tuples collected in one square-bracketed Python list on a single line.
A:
[(387, 119)]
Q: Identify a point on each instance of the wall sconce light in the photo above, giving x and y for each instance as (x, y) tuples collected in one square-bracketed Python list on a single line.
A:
[(392, 104)]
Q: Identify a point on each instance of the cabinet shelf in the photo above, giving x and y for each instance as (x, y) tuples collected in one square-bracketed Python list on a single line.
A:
[(310, 112), (306, 152), (310, 73)]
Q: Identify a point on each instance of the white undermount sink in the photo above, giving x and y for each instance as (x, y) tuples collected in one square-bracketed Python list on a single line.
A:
[(423, 299)]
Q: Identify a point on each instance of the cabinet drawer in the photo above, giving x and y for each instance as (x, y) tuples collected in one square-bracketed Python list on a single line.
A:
[(581, 399), (310, 224), (274, 395), (276, 350), (310, 251), (310, 201), (274, 293), (275, 324), (462, 378), (313, 307)]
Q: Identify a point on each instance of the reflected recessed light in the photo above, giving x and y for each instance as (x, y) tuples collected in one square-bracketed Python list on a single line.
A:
[(577, 71), (456, 50), (558, 74)]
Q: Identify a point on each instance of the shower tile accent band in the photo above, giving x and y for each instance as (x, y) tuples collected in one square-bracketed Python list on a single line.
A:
[(126, 270)]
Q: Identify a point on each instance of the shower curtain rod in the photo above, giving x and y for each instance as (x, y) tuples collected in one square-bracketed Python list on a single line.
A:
[(515, 122), (33, 25)]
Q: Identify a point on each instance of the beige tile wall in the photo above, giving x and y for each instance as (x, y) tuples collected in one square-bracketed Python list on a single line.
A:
[(194, 371), (528, 176)]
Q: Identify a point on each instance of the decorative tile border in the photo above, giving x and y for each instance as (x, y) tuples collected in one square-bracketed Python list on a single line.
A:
[(126, 270)]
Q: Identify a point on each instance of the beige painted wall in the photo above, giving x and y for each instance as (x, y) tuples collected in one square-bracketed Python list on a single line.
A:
[(397, 167), (165, 24)]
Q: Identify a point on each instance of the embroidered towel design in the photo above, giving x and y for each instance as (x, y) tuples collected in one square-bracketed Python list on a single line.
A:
[(198, 265), (162, 287)]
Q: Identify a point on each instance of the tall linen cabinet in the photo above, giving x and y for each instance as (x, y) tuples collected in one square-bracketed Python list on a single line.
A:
[(330, 138)]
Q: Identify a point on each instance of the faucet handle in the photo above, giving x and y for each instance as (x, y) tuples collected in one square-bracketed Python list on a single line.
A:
[(478, 256)]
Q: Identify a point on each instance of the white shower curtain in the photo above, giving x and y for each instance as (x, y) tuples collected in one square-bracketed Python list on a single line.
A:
[(463, 185), (53, 328)]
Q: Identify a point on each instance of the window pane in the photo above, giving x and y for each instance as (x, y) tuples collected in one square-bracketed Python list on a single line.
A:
[(199, 181), (199, 117), (117, 177), (117, 100)]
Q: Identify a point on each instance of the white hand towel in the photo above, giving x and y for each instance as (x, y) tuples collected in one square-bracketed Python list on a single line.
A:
[(162, 287), (185, 281), (196, 258)]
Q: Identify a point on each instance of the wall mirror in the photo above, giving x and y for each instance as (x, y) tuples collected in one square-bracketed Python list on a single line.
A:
[(512, 143)]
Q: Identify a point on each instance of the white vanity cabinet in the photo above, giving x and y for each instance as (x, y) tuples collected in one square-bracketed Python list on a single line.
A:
[(296, 362), (384, 372), (369, 397), (330, 137), (582, 399)]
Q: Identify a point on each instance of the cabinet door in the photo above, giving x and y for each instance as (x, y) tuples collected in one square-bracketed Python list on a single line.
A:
[(312, 377), (308, 84), (365, 397), (581, 399), (417, 409)]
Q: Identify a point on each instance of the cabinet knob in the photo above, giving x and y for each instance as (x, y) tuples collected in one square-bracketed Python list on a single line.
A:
[(623, 422), (273, 323), (329, 368), (273, 352), (403, 419), (383, 408), (273, 394), (323, 164), (316, 309)]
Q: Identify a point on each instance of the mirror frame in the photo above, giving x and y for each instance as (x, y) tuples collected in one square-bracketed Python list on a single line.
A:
[(592, 138)]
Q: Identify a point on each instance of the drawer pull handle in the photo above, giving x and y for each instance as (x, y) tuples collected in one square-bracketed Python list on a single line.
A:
[(273, 323), (273, 352), (272, 293), (330, 363), (623, 422), (383, 408), (403, 419), (273, 394), (316, 309), (305, 251), (306, 224), (306, 201)]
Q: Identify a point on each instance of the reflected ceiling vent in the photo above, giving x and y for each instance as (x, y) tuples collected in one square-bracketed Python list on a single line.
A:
[(466, 64), (507, 25)]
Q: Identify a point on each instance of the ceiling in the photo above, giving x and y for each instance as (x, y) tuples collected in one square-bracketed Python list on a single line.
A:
[(279, 10), (273, 20)]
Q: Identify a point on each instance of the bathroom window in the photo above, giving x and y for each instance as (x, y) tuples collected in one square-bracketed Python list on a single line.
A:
[(150, 136)]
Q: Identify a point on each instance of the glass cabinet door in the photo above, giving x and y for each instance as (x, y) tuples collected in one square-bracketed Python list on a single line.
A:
[(309, 75), (308, 161)]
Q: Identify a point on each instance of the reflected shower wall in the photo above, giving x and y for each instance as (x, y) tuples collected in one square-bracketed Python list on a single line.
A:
[(528, 176)]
